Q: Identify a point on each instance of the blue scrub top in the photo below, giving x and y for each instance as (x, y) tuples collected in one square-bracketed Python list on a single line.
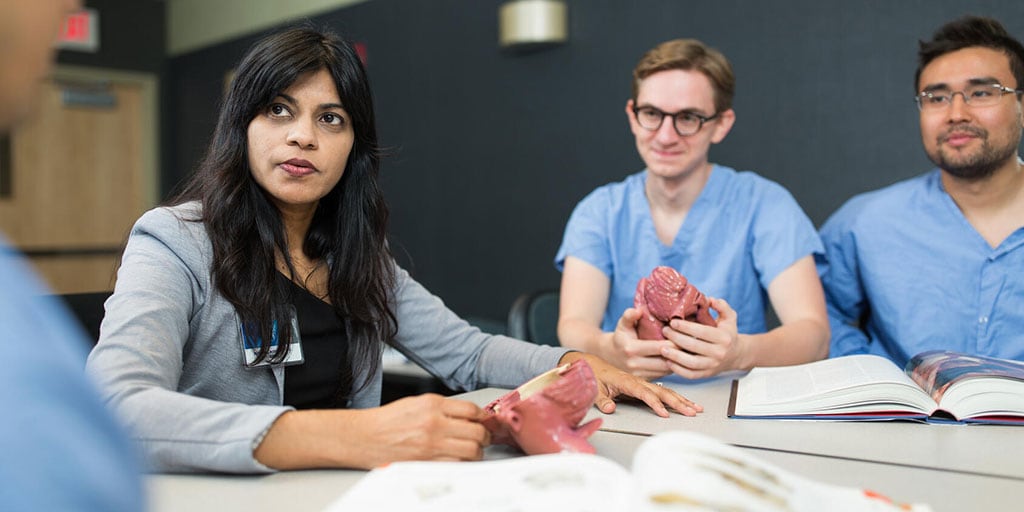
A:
[(742, 231)]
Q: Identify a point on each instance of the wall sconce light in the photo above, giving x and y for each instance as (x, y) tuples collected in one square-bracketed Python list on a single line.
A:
[(532, 24)]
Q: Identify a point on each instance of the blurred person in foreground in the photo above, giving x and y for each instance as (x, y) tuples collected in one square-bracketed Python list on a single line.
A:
[(61, 448)]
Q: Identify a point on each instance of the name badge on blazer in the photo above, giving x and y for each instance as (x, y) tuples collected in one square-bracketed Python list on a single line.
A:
[(251, 345)]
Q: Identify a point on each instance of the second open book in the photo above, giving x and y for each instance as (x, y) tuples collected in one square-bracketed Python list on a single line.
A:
[(671, 471), (935, 386)]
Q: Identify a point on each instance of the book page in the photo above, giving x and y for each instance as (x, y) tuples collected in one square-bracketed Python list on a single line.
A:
[(828, 385), (830, 374), (936, 370), (689, 471), (559, 482)]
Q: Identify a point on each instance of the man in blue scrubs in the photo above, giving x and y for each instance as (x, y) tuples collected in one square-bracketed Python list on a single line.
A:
[(736, 237), (59, 447), (937, 261)]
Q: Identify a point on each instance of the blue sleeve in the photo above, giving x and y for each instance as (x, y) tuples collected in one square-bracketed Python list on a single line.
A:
[(587, 234), (844, 292), (781, 234), (61, 447)]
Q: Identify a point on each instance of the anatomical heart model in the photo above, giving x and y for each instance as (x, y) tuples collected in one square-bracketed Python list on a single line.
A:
[(543, 415), (665, 295)]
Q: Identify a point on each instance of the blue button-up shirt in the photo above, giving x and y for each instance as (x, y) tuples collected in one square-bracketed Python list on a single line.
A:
[(906, 265)]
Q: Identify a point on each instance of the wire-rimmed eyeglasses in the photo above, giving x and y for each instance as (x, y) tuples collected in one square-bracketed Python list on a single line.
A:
[(685, 122), (975, 95)]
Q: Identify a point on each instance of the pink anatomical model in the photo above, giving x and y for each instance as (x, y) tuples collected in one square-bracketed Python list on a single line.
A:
[(665, 295), (543, 415)]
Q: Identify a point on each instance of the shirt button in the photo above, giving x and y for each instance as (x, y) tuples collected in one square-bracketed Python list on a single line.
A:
[(983, 320)]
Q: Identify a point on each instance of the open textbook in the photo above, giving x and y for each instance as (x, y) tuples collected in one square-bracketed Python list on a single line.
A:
[(935, 386), (673, 471)]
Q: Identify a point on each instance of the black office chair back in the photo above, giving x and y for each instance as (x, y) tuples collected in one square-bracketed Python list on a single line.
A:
[(88, 310), (534, 317)]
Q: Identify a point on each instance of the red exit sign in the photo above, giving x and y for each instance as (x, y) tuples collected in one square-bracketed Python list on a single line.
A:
[(81, 32)]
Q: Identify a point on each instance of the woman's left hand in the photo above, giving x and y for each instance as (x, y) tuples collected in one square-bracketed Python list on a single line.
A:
[(613, 382)]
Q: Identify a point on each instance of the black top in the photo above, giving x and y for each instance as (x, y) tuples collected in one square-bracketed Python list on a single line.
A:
[(317, 382)]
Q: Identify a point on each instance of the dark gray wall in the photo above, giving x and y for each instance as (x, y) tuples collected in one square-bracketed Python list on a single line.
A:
[(493, 150)]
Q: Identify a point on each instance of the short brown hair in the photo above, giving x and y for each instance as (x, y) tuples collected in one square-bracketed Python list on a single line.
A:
[(689, 54), (967, 32)]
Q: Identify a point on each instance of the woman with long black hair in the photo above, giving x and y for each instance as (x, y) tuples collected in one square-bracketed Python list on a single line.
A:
[(246, 327)]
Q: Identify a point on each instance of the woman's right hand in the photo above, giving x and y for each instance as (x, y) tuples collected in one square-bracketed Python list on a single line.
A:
[(425, 427)]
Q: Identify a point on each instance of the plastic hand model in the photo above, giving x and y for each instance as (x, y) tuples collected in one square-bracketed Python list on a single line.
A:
[(543, 415), (665, 295)]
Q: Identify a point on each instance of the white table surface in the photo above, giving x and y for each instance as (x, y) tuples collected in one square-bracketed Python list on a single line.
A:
[(315, 490), (994, 450), (899, 460)]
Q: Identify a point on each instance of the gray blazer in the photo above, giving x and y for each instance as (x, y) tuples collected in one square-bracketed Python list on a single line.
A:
[(170, 360)]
